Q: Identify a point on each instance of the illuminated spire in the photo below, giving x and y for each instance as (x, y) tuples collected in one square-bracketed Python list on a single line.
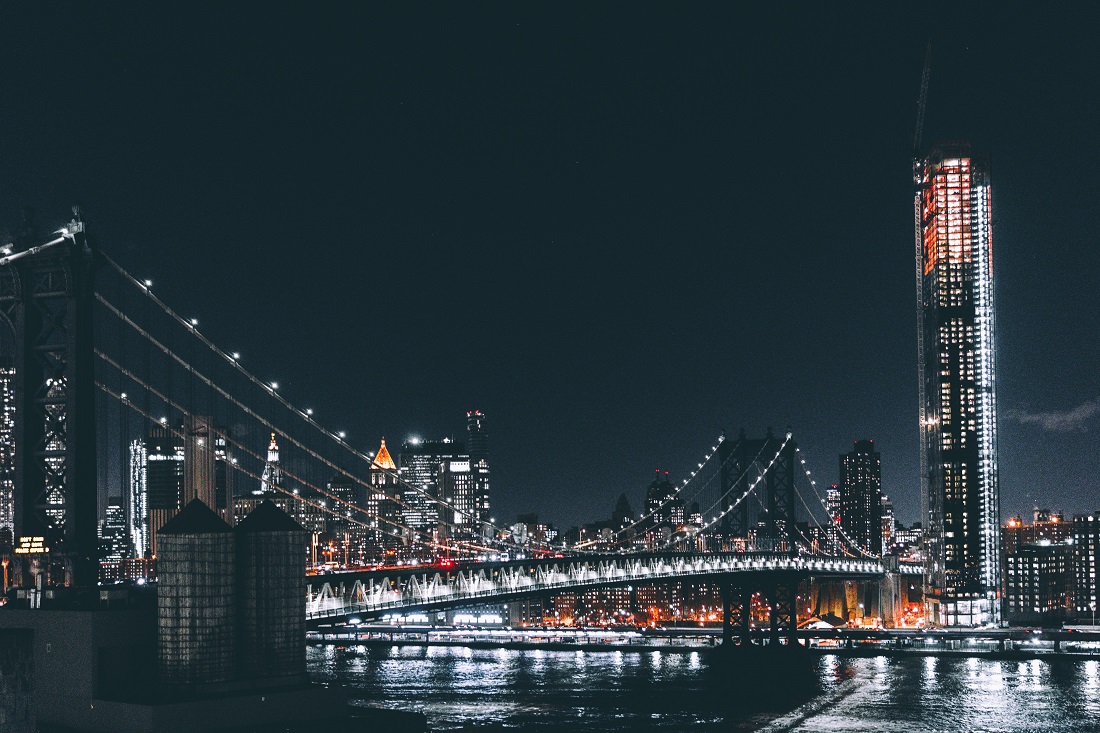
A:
[(382, 459), (272, 479)]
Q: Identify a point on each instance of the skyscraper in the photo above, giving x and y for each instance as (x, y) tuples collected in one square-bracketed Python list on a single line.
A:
[(384, 514), (956, 364), (665, 509), (7, 449), (272, 488), (198, 466), (137, 507), (832, 531), (888, 524), (477, 441), (422, 469), (114, 545), (156, 486), (223, 476), (861, 496), (272, 480)]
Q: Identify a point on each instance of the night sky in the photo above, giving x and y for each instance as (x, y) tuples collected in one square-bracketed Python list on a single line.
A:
[(616, 230)]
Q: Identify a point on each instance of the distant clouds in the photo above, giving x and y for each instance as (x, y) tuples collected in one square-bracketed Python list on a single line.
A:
[(1059, 421)]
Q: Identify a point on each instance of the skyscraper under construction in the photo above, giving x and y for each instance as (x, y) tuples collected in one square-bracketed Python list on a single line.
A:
[(958, 407)]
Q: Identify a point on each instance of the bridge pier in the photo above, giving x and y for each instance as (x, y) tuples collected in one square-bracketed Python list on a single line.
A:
[(727, 622), (743, 597)]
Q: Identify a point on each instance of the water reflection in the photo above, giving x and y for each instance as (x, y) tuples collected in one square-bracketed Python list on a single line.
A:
[(467, 689)]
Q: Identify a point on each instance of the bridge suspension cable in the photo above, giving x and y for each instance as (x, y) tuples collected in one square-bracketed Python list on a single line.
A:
[(306, 415), (675, 495), (742, 497), (187, 413), (318, 505), (226, 395), (836, 525)]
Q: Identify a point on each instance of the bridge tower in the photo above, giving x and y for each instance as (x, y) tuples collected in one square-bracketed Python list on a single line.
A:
[(775, 529), (736, 459), (46, 297)]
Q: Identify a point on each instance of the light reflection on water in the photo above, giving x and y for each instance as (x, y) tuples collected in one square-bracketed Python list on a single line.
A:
[(466, 689)]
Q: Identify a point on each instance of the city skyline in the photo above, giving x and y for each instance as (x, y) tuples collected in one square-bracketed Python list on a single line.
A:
[(613, 270)]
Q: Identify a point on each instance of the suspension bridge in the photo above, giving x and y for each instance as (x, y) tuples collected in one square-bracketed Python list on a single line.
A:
[(102, 362)]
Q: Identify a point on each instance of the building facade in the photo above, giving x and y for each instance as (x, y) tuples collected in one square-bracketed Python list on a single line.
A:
[(385, 534), (156, 486), (1086, 552), (7, 449), (477, 442), (832, 532), (1039, 583), (114, 544), (860, 489), (664, 511), (956, 364)]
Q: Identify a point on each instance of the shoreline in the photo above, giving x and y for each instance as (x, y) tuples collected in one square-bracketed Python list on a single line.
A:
[(862, 651)]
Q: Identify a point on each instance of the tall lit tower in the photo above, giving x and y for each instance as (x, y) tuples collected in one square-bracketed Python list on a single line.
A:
[(272, 479), (958, 407), (861, 496), (384, 514), (477, 441)]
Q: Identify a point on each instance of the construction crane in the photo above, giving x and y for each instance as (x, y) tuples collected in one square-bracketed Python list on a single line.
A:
[(925, 433), (919, 130)]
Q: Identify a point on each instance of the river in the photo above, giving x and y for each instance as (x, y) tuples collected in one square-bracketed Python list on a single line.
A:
[(462, 689)]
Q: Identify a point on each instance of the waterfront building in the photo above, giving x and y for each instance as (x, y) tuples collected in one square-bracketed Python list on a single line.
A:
[(1039, 585), (861, 496), (1046, 525), (603, 606), (956, 363), (1086, 553)]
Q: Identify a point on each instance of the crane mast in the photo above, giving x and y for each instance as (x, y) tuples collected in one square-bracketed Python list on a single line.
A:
[(919, 130), (919, 242)]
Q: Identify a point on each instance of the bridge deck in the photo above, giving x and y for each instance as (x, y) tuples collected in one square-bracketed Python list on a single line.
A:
[(371, 594)]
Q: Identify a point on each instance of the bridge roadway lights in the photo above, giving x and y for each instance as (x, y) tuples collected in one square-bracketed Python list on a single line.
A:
[(372, 594)]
